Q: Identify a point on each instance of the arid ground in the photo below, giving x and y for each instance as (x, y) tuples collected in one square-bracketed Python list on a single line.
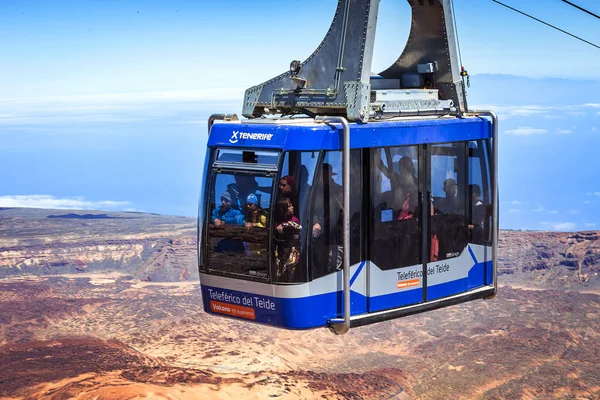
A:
[(87, 311)]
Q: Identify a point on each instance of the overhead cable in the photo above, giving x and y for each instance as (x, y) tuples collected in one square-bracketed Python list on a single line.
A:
[(581, 8), (545, 23)]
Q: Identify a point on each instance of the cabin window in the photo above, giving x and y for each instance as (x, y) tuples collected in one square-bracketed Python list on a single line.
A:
[(291, 212), (479, 192), (240, 156), (449, 189), (326, 219), (395, 237), (238, 222)]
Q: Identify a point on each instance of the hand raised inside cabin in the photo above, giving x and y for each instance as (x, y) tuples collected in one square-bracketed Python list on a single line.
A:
[(316, 230)]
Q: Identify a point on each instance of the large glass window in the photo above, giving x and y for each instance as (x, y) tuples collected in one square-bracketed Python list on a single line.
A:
[(327, 218), (291, 211), (480, 210), (449, 191), (238, 224), (395, 239)]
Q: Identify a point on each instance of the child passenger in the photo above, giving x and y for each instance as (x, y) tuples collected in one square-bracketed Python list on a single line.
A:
[(255, 215)]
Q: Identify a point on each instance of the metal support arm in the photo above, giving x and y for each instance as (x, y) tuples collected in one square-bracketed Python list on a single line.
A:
[(340, 327)]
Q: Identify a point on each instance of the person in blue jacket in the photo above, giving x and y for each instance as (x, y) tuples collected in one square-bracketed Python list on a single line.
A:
[(226, 214)]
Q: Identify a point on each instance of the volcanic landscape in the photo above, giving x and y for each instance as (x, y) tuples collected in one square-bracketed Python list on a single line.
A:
[(97, 305)]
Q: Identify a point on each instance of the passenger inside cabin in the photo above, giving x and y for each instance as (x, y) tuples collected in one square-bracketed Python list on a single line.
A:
[(451, 203), (333, 195), (226, 213), (478, 213), (244, 185), (255, 215), (406, 191), (287, 241), (327, 222), (287, 189), (302, 188)]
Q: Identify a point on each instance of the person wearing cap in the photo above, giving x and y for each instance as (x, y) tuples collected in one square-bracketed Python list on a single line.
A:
[(255, 216), (225, 213)]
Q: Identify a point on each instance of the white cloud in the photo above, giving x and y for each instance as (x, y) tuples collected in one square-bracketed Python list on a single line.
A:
[(589, 225), (543, 209), (113, 107), (587, 202), (194, 121), (516, 202), (47, 201), (549, 112), (526, 130), (594, 129), (574, 211), (563, 131), (514, 211), (564, 226)]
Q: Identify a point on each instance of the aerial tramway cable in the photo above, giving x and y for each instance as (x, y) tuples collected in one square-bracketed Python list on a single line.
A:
[(545, 23), (581, 8)]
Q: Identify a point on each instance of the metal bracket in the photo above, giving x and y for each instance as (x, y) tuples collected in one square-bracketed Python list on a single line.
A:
[(357, 100)]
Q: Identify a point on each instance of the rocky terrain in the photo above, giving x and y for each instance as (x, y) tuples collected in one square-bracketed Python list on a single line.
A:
[(48, 242), (127, 322), (550, 259)]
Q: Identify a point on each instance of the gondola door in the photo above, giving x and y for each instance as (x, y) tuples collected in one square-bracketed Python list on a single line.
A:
[(453, 264), (395, 233)]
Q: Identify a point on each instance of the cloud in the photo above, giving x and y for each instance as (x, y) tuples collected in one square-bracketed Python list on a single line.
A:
[(116, 107), (542, 209), (526, 130), (589, 224), (516, 202), (72, 203), (587, 202), (549, 112), (594, 129), (564, 226), (514, 211), (574, 211), (563, 131)]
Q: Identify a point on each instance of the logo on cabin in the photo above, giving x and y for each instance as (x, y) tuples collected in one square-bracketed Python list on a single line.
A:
[(237, 135)]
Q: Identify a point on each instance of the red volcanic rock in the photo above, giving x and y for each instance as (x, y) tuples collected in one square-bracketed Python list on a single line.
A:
[(29, 364)]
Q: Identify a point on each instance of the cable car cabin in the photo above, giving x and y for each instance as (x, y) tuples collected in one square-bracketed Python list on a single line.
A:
[(419, 224)]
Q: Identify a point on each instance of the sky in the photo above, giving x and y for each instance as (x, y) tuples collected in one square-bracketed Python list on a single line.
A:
[(103, 104)]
